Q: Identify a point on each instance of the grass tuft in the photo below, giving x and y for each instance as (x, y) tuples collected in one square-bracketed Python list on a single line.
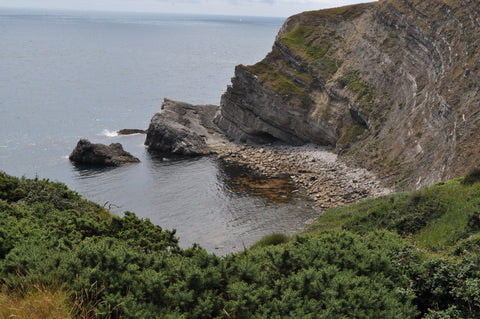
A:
[(271, 240), (36, 302)]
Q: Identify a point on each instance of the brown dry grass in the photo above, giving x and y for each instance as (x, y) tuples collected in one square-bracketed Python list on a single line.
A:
[(40, 301), (37, 302)]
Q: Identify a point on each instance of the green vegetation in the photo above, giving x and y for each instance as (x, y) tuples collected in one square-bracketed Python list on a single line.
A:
[(363, 90), (270, 240), (317, 51), (344, 13), (409, 255), (393, 35), (435, 218), (443, 223), (350, 133), (283, 83), (472, 177)]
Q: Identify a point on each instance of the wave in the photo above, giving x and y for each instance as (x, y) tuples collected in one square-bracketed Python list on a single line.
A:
[(108, 133)]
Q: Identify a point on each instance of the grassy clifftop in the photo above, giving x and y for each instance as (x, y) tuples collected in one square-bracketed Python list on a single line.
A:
[(409, 255)]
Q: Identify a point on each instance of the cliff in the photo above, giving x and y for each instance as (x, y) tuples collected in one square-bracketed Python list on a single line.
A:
[(391, 85)]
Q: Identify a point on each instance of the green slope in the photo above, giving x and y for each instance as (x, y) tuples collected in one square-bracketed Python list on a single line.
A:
[(376, 259)]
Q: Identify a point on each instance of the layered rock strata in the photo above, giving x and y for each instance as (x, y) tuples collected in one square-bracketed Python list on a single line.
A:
[(184, 129), (391, 85)]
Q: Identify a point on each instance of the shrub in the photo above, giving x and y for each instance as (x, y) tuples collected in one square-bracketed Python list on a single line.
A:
[(472, 177), (103, 266)]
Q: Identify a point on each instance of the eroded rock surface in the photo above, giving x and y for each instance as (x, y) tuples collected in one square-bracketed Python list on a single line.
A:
[(184, 129), (87, 153)]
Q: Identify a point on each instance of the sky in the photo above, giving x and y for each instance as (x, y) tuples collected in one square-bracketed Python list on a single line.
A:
[(277, 8)]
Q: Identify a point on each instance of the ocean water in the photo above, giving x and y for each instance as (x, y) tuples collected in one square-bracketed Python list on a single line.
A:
[(71, 75)]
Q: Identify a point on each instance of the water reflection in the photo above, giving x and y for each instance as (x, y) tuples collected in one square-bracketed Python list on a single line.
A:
[(240, 179), (219, 206), (88, 171)]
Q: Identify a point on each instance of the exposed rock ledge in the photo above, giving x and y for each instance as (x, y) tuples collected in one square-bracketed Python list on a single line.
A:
[(131, 131), (316, 172), (184, 129), (87, 153)]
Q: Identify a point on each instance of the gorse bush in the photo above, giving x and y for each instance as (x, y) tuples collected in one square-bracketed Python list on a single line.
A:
[(334, 275), (126, 267), (472, 177), (443, 219)]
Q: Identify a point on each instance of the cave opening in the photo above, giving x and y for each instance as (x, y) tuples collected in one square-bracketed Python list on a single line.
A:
[(264, 138)]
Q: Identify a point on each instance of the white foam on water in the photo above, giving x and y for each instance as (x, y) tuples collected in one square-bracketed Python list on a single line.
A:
[(108, 133)]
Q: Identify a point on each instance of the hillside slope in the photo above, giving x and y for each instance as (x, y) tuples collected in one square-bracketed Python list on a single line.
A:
[(391, 85), (408, 255)]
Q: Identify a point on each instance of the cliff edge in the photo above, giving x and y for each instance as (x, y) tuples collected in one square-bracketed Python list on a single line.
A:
[(391, 85)]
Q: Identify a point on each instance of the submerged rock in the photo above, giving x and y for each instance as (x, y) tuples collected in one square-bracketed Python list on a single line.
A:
[(87, 153), (130, 131), (184, 129)]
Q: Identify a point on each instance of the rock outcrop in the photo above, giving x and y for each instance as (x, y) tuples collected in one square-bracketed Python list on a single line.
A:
[(184, 129), (130, 131), (392, 85), (100, 155)]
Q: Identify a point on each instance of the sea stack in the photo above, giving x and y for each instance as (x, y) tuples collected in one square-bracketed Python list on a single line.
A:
[(100, 155)]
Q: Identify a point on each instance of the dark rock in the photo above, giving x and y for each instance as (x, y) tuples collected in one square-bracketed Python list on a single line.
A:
[(87, 153), (129, 131), (184, 129)]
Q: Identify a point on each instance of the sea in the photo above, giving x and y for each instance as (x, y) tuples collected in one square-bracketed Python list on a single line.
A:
[(71, 75)]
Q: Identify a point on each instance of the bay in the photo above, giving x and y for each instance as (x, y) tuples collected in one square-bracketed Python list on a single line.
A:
[(71, 75)]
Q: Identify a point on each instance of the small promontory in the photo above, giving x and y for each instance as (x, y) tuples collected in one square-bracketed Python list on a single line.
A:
[(184, 129)]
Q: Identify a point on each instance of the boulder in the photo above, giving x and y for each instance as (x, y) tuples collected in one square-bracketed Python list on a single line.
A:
[(184, 129), (87, 153)]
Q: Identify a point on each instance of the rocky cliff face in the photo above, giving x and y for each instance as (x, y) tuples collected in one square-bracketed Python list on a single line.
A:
[(392, 85)]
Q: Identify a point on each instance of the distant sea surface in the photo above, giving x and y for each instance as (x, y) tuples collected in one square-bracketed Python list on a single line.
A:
[(71, 75)]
